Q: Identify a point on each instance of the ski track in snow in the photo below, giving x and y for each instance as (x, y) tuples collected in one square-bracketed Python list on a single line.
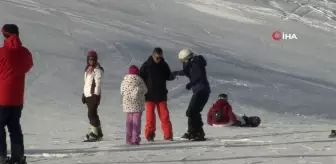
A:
[(289, 84), (317, 13)]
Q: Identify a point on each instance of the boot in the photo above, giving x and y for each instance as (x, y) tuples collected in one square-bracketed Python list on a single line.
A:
[(17, 161), (199, 136), (333, 134), (100, 132), (17, 152), (92, 135), (187, 136), (169, 139)]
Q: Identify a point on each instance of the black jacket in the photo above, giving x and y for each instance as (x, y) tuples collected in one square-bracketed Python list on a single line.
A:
[(155, 76), (196, 72)]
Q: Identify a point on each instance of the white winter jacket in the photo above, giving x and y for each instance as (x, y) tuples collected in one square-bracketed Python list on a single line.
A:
[(133, 90), (92, 81)]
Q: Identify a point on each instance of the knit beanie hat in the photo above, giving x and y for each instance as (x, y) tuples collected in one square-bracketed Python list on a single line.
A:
[(10, 29), (134, 70), (92, 54)]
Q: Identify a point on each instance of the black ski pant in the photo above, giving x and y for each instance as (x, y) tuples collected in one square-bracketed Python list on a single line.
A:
[(10, 117), (196, 105), (92, 104)]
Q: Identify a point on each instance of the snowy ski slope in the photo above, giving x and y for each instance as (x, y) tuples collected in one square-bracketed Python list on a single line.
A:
[(290, 84)]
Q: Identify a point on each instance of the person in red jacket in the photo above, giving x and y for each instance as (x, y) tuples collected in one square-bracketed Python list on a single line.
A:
[(15, 62), (221, 113)]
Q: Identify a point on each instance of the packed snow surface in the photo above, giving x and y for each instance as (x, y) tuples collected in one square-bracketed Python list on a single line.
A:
[(290, 84)]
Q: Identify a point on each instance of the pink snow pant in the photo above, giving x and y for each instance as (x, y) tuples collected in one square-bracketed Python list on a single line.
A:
[(133, 128)]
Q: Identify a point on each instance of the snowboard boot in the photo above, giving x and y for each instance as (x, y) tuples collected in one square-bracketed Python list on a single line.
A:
[(169, 139), (246, 120), (93, 135), (333, 134), (100, 133), (187, 136), (16, 161), (199, 136)]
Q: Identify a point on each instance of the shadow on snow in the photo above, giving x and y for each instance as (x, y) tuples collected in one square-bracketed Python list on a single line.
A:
[(164, 145), (283, 143), (232, 158), (117, 148), (269, 134)]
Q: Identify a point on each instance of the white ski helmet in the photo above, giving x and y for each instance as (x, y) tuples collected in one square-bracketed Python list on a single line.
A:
[(185, 54)]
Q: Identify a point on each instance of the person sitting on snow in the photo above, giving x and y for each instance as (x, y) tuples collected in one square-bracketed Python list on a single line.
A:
[(221, 113)]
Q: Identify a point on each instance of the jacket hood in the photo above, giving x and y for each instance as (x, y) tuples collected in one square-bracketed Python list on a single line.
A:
[(13, 42), (132, 77), (221, 102), (199, 59)]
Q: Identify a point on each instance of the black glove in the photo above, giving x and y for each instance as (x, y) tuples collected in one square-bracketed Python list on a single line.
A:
[(188, 86), (83, 99), (174, 73), (172, 76)]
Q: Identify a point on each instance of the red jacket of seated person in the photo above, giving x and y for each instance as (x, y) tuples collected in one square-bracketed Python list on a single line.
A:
[(223, 106)]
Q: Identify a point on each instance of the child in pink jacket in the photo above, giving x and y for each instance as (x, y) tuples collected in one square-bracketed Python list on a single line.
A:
[(133, 90)]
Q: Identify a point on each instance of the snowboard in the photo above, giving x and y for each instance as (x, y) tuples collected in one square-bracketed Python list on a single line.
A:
[(333, 134), (251, 121)]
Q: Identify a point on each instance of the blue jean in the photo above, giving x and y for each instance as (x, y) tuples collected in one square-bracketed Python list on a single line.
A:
[(10, 117)]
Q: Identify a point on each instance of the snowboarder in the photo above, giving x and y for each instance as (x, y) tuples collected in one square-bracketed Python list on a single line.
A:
[(133, 90), (15, 62), (221, 113), (194, 68), (92, 94), (156, 72)]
